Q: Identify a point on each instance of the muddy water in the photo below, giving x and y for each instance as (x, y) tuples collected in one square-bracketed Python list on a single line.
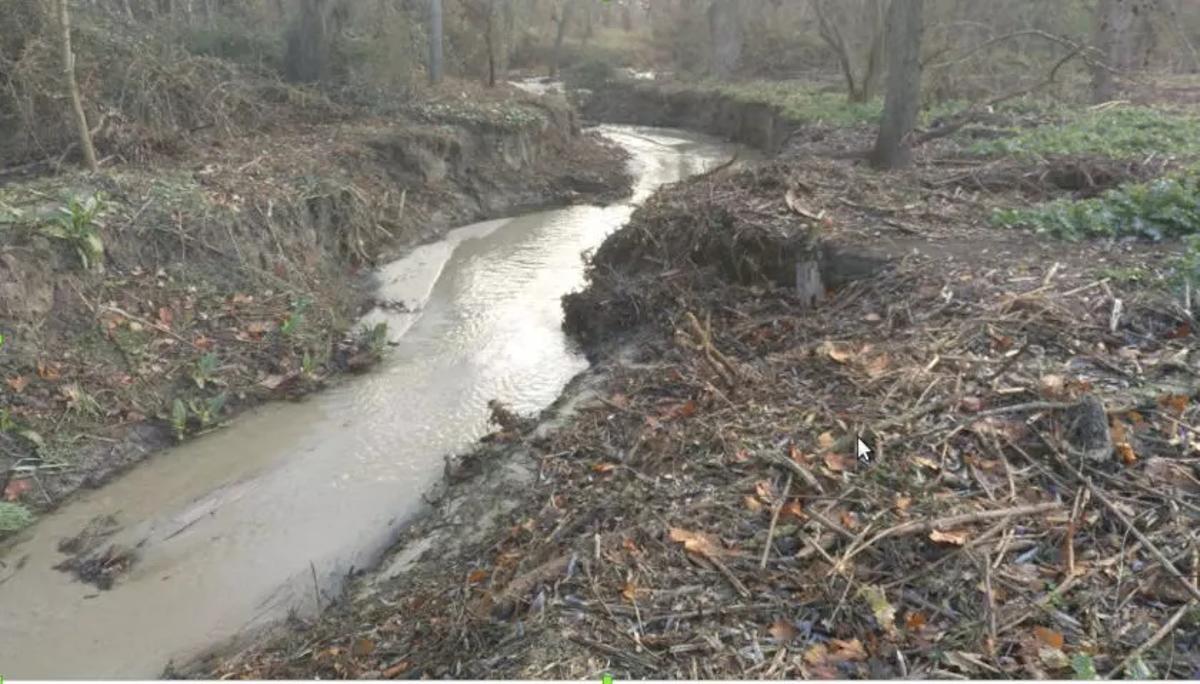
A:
[(235, 529)]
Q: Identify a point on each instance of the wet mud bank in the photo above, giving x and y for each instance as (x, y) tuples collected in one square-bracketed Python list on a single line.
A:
[(277, 511), (143, 307), (761, 126)]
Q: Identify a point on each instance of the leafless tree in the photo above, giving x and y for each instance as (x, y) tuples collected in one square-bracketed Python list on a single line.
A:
[(725, 29), (436, 58), (68, 60), (904, 24), (871, 16)]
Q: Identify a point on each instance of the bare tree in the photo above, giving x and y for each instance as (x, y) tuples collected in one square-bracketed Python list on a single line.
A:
[(309, 42), (868, 18), (68, 59), (725, 29), (1123, 27), (563, 12), (904, 23), (436, 59)]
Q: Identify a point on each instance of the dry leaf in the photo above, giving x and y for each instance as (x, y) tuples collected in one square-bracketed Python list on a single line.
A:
[(752, 503), (696, 542), (837, 352), (1053, 658), (914, 621), (782, 631), (883, 611), (903, 502), (1052, 386), (477, 576), (165, 316), (15, 488), (629, 592), (1175, 403), (396, 670), (362, 647), (603, 468), (926, 462), (741, 456), (878, 366), (1048, 637), (17, 383), (825, 440), (793, 509), (1125, 451), (957, 538), (765, 490), (1009, 430), (49, 370), (971, 404), (847, 650), (838, 463)]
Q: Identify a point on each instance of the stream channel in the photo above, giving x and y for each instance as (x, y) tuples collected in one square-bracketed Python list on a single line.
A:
[(235, 529)]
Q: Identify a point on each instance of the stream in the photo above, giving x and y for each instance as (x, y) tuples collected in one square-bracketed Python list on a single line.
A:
[(235, 529)]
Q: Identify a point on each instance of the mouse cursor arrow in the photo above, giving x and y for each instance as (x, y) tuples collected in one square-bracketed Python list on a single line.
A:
[(864, 451)]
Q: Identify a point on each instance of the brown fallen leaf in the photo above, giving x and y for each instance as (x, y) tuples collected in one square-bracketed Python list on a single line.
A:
[(1126, 453), (914, 621), (629, 591), (903, 502), (753, 503), (396, 670), (165, 316), (957, 538), (17, 383), (603, 468), (765, 490), (1175, 403), (362, 647), (477, 576), (15, 488), (838, 463), (837, 352), (825, 440), (971, 404), (1052, 386), (793, 509), (782, 631), (49, 370), (696, 542), (877, 366), (1048, 637)]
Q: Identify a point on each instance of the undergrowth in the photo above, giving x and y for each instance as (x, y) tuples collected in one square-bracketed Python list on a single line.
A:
[(1122, 132), (1157, 209), (13, 517)]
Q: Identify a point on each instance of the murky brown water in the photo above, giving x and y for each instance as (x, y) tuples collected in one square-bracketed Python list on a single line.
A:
[(231, 528)]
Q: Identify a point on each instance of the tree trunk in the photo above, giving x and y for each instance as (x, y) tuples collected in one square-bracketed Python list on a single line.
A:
[(489, 40), (435, 42), (875, 54), (1120, 27), (564, 18), (68, 59), (308, 44), (904, 23), (725, 30)]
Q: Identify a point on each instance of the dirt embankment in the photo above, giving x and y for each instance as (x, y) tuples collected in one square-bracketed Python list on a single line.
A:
[(761, 126), (144, 304)]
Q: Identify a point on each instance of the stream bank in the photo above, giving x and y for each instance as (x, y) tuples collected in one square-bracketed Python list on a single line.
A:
[(693, 507), (140, 306)]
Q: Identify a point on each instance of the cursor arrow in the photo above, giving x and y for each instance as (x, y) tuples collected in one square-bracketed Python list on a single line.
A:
[(864, 451)]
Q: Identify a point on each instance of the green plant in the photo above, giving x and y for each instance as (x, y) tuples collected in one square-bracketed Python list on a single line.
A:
[(292, 323), (1161, 208), (205, 371), (179, 419), (1120, 132), (307, 364), (78, 223), (375, 338), (13, 517)]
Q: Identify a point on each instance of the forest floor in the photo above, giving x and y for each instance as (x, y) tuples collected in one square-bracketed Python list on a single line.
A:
[(232, 265), (694, 507)]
